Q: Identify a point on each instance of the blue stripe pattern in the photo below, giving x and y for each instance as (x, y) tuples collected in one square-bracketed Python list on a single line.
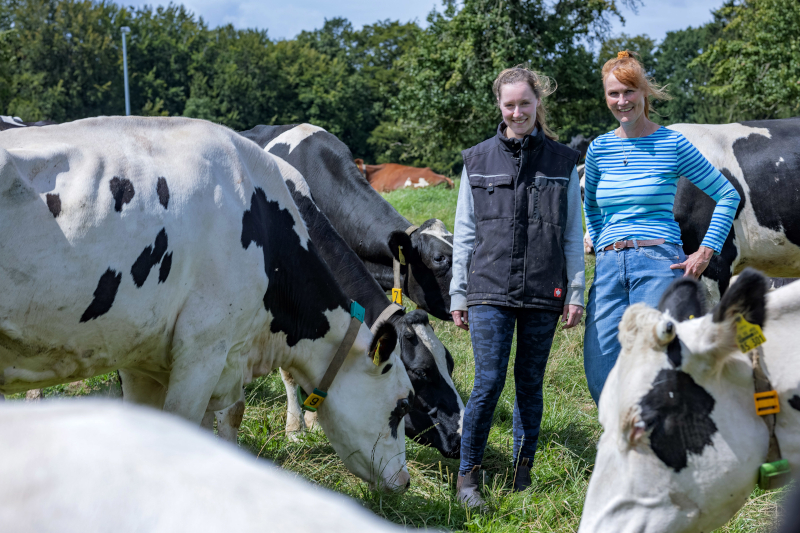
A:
[(634, 201)]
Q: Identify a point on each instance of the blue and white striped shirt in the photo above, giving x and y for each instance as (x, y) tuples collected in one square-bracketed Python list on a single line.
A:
[(635, 201)]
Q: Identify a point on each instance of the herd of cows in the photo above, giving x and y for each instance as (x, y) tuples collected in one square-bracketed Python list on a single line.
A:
[(193, 259)]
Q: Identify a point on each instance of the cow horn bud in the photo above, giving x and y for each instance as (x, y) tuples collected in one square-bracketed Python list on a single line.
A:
[(665, 331)]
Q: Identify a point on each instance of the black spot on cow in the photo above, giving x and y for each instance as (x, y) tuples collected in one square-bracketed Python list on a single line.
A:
[(386, 368), (683, 299), (166, 266), (675, 352), (104, 295), (149, 258), (769, 166), (677, 413), (54, 204), (794, 402), (399, 412), (163, 192), (122, 191), (746, 297), (300, 285)]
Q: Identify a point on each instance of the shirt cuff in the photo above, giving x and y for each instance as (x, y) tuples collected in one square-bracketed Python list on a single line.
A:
[(458, 302), (574, 296)]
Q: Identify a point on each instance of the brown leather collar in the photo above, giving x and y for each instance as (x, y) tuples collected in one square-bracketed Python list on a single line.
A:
[(620, 245)]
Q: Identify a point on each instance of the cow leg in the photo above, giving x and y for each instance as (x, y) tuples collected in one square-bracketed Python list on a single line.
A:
[(34, 395), (141, 388), (229, 420), (208, 421), (295, 422), (195, 372)]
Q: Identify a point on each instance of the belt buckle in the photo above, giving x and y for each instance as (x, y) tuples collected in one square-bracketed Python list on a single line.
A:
[(614, 246)]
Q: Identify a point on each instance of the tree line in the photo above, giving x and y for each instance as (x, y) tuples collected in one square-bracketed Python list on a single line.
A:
[(391, 91)]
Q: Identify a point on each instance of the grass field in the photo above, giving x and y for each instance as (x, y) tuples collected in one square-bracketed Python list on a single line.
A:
[(564, 458)]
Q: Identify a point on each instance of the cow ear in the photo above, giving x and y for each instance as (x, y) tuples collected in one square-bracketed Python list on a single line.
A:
[(746, 297), (383, 344), (683, 300), (398, 239)]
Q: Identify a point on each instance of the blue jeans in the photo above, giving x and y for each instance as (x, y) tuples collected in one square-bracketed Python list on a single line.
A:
[(492, 330), (623, 278)]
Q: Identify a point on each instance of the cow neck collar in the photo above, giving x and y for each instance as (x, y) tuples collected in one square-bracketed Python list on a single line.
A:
[(762, 385), (397, 286)]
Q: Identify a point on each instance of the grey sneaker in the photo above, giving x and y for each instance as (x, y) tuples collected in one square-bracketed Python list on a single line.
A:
[(467, 490)]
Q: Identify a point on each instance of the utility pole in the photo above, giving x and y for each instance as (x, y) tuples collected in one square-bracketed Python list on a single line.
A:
[(125, 30)]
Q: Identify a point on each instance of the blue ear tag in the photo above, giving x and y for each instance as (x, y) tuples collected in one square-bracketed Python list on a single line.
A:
[(356, 311)]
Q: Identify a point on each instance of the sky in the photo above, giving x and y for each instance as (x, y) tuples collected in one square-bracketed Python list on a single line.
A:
[(284, 19)]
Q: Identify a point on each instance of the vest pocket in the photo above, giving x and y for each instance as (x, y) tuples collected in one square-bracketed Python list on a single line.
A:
[(493, 195), (551, 200)]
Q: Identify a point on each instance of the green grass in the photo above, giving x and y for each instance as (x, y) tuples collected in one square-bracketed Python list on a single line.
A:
[(564, 459)]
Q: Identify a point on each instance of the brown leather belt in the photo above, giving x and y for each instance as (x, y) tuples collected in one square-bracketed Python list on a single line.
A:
[(621, 245)]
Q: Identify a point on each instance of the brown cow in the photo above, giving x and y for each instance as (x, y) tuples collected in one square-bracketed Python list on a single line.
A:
[(391, 176)]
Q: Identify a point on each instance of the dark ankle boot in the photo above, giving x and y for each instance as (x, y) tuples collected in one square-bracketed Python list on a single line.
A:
[(522, 475), (467, 490)]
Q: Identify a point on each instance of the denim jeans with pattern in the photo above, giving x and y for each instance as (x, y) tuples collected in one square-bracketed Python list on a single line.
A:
[(492, 331)]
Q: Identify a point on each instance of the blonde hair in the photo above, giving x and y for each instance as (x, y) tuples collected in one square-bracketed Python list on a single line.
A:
[(628, 70), (541, 86)]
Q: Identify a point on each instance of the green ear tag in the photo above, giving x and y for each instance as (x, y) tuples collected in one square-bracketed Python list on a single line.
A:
[(748, 336), (376, 359)]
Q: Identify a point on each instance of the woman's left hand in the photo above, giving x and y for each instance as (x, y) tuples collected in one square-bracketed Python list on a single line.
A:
[(696, 263), (571, 315)]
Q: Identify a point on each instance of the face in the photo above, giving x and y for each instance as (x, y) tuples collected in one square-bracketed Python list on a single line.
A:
[(518, 105), (438, 411), (364, 411), (681, 441), (625, 102)]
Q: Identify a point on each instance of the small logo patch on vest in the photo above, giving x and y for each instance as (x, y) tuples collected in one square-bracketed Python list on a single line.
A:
[(557, 293)]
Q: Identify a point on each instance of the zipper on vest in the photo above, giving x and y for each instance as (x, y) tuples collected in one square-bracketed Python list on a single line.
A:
[(533, 199)]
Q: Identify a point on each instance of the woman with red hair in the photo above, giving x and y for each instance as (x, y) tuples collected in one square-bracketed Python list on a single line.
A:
[(631, 178)]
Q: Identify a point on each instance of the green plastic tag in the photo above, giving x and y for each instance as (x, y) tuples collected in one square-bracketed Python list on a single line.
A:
[(774, 475), (356, 311)]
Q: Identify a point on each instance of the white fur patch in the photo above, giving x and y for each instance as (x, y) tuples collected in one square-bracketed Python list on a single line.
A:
[(438, 231), (421, 183), (294, 136), (290, 173)]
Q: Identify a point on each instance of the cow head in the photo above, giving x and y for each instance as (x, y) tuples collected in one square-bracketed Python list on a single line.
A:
[(438, 412), (682, 443), (364, 410), (429, 255)]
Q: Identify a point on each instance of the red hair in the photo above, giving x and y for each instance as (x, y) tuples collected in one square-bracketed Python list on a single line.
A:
[(628, 70)]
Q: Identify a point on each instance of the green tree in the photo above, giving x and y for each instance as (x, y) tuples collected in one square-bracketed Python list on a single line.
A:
[(445, 101), (755, 64)]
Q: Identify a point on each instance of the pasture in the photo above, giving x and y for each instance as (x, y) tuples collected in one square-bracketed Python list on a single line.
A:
[(564, 458)]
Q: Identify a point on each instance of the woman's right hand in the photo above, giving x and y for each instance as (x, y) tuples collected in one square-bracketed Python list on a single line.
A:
[(461, 319)]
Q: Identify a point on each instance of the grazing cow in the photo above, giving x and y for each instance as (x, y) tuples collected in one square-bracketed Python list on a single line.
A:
[(682, 443), (11, 123), (171, 249), (95, 466), (437, 409), (762, 162), (369, 225), (391, 176)]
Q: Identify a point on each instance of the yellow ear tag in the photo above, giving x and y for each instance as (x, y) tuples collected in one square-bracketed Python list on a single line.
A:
[(691, 317), (397, 296), (376, 359), (401, 258), (748, 336)]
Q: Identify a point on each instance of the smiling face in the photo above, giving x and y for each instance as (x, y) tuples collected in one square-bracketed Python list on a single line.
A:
[(625, 102), (518, 105)]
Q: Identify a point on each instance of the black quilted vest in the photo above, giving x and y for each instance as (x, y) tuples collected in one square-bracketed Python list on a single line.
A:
[(521, 213)]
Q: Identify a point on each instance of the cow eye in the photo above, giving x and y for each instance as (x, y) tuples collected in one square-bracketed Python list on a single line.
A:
[(420, 373), (439, 258)]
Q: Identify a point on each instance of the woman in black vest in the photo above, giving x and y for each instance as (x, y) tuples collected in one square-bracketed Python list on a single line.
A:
[(517, 259)]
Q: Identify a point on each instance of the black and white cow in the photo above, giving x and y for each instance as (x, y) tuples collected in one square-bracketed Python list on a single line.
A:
[(437, 410), (682, 443), (94, 466), (762, 161), (11, 123), (172, 249), (371, 227)]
